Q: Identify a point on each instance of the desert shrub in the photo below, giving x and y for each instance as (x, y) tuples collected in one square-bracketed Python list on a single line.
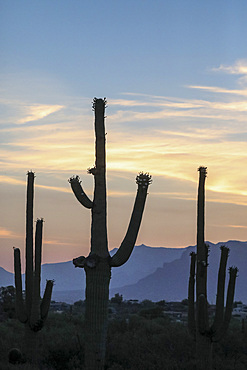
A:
[(149, 344), (231, 352), (134, 342), (7, 301), (63, 343), (11, 336), (152, 313)]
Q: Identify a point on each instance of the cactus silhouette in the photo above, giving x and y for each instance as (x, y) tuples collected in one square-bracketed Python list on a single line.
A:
[(98, 264), (198, 321), (31, 311)]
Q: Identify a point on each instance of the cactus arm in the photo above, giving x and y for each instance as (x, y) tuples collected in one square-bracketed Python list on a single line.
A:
[(201, 207), (79, 192), (229, 303), (20, 309), (191, 296), (202, 257), (79, 261), (201, 278), (29, 242), (99, 243), (45, 304), (127, 245), (99, 109), (219, 313), (35, 312), (38, 255)]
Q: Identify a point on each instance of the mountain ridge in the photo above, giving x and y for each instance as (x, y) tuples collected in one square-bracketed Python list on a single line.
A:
[(144, 260), (171, 281), (154, 273)]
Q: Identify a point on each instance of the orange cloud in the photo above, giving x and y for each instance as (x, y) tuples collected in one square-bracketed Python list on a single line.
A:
[(237, 226), (6, 233)]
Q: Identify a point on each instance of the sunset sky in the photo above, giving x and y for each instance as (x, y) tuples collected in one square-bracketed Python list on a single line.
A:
[(175, 77)]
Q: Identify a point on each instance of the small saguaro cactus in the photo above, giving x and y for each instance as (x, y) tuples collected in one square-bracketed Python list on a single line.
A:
[(98, 264), (198, 321), (31, 311)]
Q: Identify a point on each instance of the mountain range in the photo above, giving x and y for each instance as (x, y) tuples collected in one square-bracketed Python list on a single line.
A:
[(151, 273)]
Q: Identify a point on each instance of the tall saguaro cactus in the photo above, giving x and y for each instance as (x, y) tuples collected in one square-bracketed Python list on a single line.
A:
[(198, 321), (98, 264), (31, 311)]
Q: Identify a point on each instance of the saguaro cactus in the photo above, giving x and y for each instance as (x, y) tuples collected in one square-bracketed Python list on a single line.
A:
[(198, 322), (31, 311), (98, 264)]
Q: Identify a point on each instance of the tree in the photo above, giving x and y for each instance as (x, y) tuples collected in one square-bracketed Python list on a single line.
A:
[(98, 264), (7, 300), (204, 334), (118, 299)]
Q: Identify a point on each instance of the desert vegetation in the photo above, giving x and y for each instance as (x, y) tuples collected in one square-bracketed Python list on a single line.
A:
[(139, 336)]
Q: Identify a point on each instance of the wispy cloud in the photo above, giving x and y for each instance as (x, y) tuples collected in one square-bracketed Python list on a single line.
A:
[(161, 108), (6, 233), (237, 226), (161, 102), (167, 136), (21, 112), (58, 242), (216, 89), (239, 68), (13, 181), (38, 111)]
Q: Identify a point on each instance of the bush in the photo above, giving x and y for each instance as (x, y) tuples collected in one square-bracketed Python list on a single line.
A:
[(146, 341)]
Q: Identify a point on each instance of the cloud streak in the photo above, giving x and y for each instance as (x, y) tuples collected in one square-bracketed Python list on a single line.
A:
[(239, 68), (38, 111), (62, 142), (220, 90), (7, 234)]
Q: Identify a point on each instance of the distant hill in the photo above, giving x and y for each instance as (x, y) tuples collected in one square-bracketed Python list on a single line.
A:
[(68, 279), (170, 282), (6, 278), (151, 273), (142, 262)]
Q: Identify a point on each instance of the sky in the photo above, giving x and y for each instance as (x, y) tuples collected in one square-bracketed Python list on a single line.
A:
[(175, 77)]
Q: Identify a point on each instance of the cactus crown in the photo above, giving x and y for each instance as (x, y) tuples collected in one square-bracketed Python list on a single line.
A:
[(96, 100), (74, 178), (203, 170), (224, 248), (40, 220), (143, 179), (233, 269)]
